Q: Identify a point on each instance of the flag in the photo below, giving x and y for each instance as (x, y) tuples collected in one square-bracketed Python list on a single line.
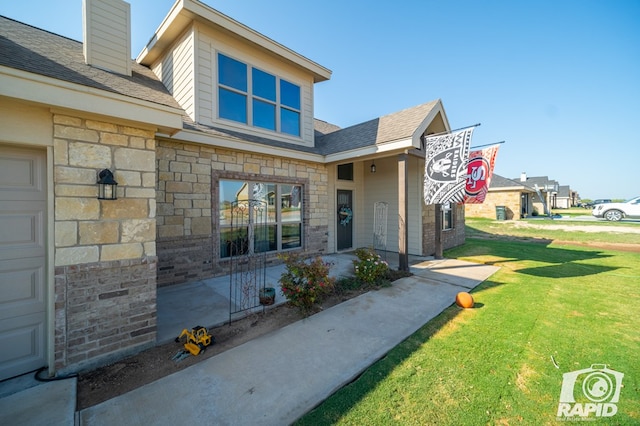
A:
[(479, 172), (445, 167)]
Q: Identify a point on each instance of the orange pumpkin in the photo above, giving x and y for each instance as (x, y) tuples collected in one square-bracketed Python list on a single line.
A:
[(464, 300)]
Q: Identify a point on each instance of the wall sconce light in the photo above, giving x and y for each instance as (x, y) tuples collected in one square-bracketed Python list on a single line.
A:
[(107, 185), (373, 166)]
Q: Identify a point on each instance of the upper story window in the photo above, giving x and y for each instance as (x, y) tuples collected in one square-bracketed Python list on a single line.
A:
[(251, 96)]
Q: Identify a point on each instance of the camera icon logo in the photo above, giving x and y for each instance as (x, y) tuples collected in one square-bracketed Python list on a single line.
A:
[(590, 391)]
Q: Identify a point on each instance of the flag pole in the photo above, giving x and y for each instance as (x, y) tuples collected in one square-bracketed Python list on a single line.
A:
[(487, 144)]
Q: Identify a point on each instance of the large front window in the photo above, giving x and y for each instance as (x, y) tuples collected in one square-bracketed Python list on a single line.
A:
[(276, 221), (251, 96)]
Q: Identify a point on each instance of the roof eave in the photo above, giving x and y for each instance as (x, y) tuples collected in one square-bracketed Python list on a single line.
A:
[(195, 136), (369, 151), (56, 93)]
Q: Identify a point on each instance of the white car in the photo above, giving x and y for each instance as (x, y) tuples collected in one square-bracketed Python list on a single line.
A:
[(616, 211)]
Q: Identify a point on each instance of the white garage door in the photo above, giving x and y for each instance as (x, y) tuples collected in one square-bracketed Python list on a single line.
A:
[(22, 260)]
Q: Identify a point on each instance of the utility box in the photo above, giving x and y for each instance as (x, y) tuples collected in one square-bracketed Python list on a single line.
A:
[(501, 213)]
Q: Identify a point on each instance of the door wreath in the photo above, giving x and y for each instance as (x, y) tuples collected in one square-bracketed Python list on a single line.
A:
[(345, 215)]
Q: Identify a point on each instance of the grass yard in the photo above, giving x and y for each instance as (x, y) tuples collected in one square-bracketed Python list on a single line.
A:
[(549, 230), (548, 305)]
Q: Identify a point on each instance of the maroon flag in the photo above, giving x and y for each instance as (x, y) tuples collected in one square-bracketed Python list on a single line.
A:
[(479, 172), (445, 167)]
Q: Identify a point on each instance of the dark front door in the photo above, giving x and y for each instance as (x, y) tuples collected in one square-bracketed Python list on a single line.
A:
[(344, 226)]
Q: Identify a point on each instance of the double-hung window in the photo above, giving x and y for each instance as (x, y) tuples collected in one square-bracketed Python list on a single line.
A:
[(257, 98), (276, 225)]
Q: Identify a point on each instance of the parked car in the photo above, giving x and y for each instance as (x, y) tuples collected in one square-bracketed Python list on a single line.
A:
[(616, 211), (595, 203)]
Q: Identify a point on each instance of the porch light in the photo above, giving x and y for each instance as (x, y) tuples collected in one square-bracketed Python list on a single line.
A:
[(373, 166), (107, 185)]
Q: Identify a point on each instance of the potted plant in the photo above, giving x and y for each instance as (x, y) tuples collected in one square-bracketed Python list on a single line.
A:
[(267, 296)]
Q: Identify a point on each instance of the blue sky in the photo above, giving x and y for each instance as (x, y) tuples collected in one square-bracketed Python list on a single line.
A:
[(558, 80)]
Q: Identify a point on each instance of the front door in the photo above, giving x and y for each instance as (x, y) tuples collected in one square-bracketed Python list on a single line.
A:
[(344, 225), (22, 260)]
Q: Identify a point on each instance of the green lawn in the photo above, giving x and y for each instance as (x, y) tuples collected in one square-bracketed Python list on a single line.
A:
[(493, 364), (542, 229)]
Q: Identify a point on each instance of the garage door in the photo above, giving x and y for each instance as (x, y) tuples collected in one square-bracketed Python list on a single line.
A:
[(22, 261)]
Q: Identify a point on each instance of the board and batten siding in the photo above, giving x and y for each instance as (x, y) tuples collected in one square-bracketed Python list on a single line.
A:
[(383, 186), (176, 70)]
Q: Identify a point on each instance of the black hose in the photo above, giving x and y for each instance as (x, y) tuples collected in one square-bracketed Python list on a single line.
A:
[(51, 379)]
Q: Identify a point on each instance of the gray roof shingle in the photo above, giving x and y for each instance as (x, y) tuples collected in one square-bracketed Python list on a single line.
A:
[(34, 50), (396, 126)]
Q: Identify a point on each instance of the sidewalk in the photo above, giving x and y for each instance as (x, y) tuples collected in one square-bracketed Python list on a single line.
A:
[(276, 378)]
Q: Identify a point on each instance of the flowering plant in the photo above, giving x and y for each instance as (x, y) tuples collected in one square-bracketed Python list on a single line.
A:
[(369, 268), (304, 283)]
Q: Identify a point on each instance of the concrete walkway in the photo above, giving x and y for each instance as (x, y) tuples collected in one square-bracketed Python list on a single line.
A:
[(276, 378)]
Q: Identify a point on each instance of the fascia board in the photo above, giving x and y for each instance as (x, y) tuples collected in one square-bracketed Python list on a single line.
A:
[(185, 11), (385, 148), (417, 134), (61, 94), (234, 144)]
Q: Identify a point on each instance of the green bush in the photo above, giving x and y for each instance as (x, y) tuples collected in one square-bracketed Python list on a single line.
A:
[(304, 283), (370, 269)]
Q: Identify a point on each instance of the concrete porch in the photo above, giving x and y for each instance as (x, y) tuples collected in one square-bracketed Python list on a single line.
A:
[(206, 302)]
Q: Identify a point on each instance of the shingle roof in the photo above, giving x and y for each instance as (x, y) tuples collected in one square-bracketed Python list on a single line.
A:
[(241, 136), (34, 50), (397, 126), (498, 181), (541, 181)]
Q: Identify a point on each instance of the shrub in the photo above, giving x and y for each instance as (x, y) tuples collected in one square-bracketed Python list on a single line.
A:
[(370, 269), (304, 283)]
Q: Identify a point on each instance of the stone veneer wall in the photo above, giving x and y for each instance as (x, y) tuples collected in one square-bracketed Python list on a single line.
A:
[(105, 252), (187, 197), (509, 199), (450, 237)]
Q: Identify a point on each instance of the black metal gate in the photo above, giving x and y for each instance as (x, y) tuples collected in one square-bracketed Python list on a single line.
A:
[(248, 247)]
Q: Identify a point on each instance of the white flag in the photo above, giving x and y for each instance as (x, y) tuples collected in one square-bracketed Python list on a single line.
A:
[(445, 168)]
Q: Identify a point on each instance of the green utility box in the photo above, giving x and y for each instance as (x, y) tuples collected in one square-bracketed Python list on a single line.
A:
[(501, 213)]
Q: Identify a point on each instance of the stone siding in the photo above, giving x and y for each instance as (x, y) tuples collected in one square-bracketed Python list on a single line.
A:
[(105, 251), (187, 195), (450, 237), (510, 199), (104, 311)]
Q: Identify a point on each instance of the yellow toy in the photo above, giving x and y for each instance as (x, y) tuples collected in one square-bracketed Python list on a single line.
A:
[(197, 341)]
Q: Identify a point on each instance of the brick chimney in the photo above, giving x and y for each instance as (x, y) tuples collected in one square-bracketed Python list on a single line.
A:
[(106, 26)]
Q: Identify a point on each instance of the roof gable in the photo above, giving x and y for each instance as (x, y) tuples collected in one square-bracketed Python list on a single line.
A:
[(185, 12)]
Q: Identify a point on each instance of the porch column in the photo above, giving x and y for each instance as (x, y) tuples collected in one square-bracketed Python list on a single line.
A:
[(438, 226), (403, 209)]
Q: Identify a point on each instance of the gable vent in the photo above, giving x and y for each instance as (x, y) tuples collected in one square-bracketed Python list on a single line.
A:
[(107, 34)]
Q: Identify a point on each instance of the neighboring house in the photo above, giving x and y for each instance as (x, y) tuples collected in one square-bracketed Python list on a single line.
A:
[(513, 195), (523, 197), (546, 192), (210, 112), (565, 198)]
